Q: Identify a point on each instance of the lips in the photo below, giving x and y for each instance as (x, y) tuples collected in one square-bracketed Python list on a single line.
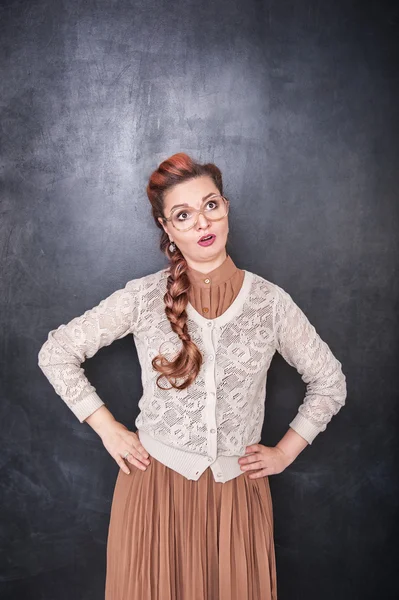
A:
[(206, 237)]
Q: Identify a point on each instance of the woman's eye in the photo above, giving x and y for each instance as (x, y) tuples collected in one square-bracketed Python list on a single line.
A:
[(212, 202)]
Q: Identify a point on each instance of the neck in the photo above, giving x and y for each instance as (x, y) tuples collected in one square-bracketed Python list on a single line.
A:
[(206, 266)]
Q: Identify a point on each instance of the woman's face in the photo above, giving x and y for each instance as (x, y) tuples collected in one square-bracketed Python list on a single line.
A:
[(192, 192)]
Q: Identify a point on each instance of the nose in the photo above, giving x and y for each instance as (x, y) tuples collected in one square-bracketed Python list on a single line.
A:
[(202, 221)]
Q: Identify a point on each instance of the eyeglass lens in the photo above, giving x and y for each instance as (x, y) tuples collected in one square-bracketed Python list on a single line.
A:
[(215, 208)]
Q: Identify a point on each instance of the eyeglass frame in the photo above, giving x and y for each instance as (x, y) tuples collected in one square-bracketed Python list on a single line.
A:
[(198, 211)]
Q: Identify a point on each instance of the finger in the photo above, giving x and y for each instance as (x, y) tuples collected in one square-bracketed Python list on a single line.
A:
[(134, 445), (138, 445), (253, 465), (250, 456), (122, 464), (134, 456), (252, 448), (262, 473), (142, 450), (137, 462), (245, 460)]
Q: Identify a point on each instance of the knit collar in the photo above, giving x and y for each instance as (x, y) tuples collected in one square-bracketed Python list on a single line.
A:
[(222, 273)]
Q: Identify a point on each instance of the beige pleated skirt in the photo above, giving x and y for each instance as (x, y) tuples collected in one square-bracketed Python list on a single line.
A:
[(172, 538)]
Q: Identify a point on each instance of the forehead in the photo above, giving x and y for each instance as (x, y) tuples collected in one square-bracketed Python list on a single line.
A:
[(191, 192)]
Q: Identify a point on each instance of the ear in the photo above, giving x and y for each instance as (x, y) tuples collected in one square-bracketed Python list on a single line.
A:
[(163, 225)]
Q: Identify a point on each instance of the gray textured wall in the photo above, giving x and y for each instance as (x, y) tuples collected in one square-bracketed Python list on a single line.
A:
[(296, 102)]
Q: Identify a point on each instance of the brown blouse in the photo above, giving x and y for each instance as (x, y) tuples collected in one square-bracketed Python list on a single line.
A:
[(213, 292)]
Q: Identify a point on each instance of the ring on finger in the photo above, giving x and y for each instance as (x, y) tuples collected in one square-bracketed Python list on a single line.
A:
[(126, 454)]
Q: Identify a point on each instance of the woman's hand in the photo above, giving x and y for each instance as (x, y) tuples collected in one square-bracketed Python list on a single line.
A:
[(118, 440), (265, 460)]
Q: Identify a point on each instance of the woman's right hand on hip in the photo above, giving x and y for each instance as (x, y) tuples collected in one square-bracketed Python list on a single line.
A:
[(118, 440)]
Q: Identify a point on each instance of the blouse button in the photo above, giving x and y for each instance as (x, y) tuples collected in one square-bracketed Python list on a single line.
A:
[(211, 357), (213, 430)]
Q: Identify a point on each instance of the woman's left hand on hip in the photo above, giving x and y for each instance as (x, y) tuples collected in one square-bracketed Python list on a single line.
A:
[(263, 460)]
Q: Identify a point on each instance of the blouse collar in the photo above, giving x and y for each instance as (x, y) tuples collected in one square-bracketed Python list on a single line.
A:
[(222, 273)]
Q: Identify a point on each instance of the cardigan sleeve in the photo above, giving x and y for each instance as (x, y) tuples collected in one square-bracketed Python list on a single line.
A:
[(301, 346), (68, 346)]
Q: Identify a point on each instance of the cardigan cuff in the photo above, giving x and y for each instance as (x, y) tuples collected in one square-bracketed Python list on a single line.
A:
[(86, 407), (305, 428)]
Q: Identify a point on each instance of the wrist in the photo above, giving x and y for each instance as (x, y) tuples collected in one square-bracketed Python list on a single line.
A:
[(288, 459), (101, 420), (292, 444)]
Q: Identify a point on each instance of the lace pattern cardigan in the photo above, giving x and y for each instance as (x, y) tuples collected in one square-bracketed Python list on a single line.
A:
[(210, 423)]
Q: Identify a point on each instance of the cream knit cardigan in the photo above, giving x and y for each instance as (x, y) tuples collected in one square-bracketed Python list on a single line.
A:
[(211, 422)]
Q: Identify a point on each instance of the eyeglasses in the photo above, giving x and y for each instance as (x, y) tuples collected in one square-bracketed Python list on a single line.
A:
[(184, 219)]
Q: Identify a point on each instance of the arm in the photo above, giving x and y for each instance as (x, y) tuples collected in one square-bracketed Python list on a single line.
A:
[(301, 346), (101, 420), (292, 445), (67, 347)]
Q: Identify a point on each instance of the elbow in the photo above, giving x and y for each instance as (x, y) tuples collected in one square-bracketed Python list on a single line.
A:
[(47, 352), (338, 386), (42, 355), (339, 393), (343, 391)]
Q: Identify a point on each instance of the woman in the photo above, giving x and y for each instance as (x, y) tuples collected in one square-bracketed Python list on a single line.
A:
[(191, 515)]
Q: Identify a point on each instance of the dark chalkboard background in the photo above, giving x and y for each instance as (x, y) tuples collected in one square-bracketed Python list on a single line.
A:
[(297, 103)]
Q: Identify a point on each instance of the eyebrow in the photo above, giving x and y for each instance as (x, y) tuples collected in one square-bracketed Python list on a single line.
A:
[(185, 203)]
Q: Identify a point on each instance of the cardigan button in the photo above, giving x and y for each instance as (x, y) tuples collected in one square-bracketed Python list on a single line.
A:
[(206, 280), (205, 310)]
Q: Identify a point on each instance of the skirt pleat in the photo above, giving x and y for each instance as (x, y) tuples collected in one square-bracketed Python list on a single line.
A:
[(172, 538)]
